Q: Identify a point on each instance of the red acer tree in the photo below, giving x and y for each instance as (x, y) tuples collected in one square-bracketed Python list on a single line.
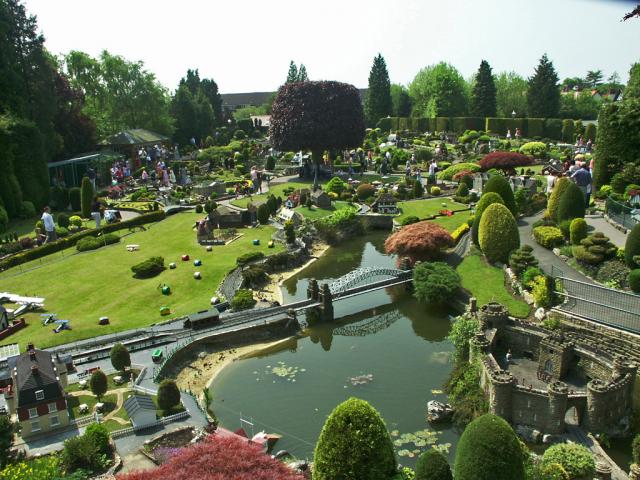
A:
[(218, 458), (419, 241), (504, 161)]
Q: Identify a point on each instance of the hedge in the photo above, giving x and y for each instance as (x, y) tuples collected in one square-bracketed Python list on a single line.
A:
[(449, 172), (632, 247), (572, 203), (148, 268), (486, 199), (578, 230), (548, 237), (442, 124), (500, 185), (498, 233), (71, 240), (568, 129), (554, 200), (553, 128), (432, 465), (535, 127)]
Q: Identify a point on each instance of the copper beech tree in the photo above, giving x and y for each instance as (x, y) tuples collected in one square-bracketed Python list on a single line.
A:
[(419, 241), (317, 116)]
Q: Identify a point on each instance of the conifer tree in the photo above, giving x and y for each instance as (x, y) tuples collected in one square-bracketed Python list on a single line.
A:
[(543, 94), (633, 85), (302, 73), (483, 97), (292, 76), (378, 104)]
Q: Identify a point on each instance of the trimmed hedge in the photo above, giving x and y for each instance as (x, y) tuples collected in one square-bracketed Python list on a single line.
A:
[(485, 200), (449, 172), (249, 257), (148, 268), (500, 185), (489, 450), (553, 128), (535, 127), (568, 128), (432, 465), (632, 247), (594, 249), (578, 230), (548, 237), (71, 240), (554, 200), (354, 444), (498, 233), (634, 280), (576, 459), (93, 243), (571, 203)]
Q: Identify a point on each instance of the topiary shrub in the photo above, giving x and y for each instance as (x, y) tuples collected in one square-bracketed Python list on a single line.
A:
[(578, 230), (576, 459), (75, 220), (149, 268), (199, 208), (63, 220), (243, 300), (27, 209), (432, 465), (548, 237), (571, 204), (565, 228), (554, 200), (594, 249), (75, 199), (634, 281), (485, 200), (365, 190), (489, 450), (536, 149), (463, 190), (263, 214), (249, 257), (522, 259), (500, 185), (409, 220), (435, 191), (168, 395), (86, 197), (434, 282), (88, 243), (632, 248), (449, 172), (530, 274), (354, 444), (498, 233), (552, 471)]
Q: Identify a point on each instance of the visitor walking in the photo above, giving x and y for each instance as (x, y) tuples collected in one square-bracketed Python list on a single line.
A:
[(91, 173), (551, 181), (96, 211), (582, 178), (49, 225), (433, 166), (254, 176), (145, 176), (509, 134)]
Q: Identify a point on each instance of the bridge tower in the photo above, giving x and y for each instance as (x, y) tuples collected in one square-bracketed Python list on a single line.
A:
[(558, 397), (326, 303), (312, 289)]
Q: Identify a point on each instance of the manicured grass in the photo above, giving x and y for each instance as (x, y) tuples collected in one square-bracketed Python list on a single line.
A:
[(26, 226), (82, 287), (454, 221), (486, 283), (73, 403), (111, 425), (427, 208), (314, 213)]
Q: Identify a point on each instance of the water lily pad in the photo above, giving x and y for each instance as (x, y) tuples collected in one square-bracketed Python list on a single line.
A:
[(435, 391)]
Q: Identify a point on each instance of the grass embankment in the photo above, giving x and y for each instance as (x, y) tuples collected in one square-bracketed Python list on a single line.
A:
[(314, 213), (429, 207), (277, 190), (486, 283), (25, 227), (83, 287)]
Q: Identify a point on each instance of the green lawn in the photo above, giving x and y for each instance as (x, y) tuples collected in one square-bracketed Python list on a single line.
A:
[(486, 283), (454, 221), (73, 403), (314, 213), (83, 287), (277, 190), (26, 226), (427, 208)]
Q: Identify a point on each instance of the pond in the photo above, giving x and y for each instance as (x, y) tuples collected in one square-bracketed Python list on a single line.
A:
[(384, 347)]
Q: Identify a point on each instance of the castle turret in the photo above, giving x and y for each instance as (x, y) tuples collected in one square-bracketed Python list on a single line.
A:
[(500, 394), (326, 300), (558, 395), (478, 347), (555, 355), (622, 368), (597, 416), (312, 289), (494, 315)]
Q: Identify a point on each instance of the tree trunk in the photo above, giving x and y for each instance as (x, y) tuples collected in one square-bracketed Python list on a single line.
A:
[(316, 155)]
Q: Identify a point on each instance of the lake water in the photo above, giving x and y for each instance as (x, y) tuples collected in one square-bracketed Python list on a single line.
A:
[(384, 347)]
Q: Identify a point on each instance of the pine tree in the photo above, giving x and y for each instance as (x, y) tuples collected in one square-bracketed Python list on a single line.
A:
[(543, 94), (302, 73), (594, 78), (483, 97), (378, 104), (292, 76), (633, 85)]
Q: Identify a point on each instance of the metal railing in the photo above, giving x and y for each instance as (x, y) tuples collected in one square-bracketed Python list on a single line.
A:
[(608, 306), (623, 214)]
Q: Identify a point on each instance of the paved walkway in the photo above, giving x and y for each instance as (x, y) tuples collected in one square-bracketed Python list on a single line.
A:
[(599, 224)]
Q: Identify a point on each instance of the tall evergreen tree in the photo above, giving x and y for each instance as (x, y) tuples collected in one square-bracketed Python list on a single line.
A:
[(292, 75), (302, 73), (483, 96), (400, 101), (633, 85), (594, 78), (378, 103), (543, 94)]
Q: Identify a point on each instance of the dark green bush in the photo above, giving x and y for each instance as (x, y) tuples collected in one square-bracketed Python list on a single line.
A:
[(199, 208), (271, 163), (409, 220), (500, 185), (435, 282), (168, 395), (576, 459), (489, 450), (562, 184), (93, 243), (548, 237), (149, 268), (98, 435), (632, 247), (263, 214), (565, 228), (432, 465), (75, 199), (522, 259), (239, 134), (4, 219), (578, 230), (289, 232), (498, 233), (594, 249), (86, 197), (254, 275), (634, 283), (243, 300), (27, 209), (63, 220), (572, 203), (463, 190), (354, 444), (249, 257), (530, 273), (485, 200), (120, 358)]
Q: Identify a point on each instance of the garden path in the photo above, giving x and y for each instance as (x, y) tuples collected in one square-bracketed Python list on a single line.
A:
[(119, 402), (599, 224)]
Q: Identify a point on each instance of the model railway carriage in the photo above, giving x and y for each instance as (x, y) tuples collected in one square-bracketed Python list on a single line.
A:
[(202, 319)]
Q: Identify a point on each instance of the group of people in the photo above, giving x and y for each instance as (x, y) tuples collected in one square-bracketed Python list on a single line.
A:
[(149, 155), (579, 172), (252, 186)]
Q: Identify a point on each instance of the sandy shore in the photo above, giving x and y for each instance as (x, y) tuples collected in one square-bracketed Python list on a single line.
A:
[(272, 291), (202, 371)]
